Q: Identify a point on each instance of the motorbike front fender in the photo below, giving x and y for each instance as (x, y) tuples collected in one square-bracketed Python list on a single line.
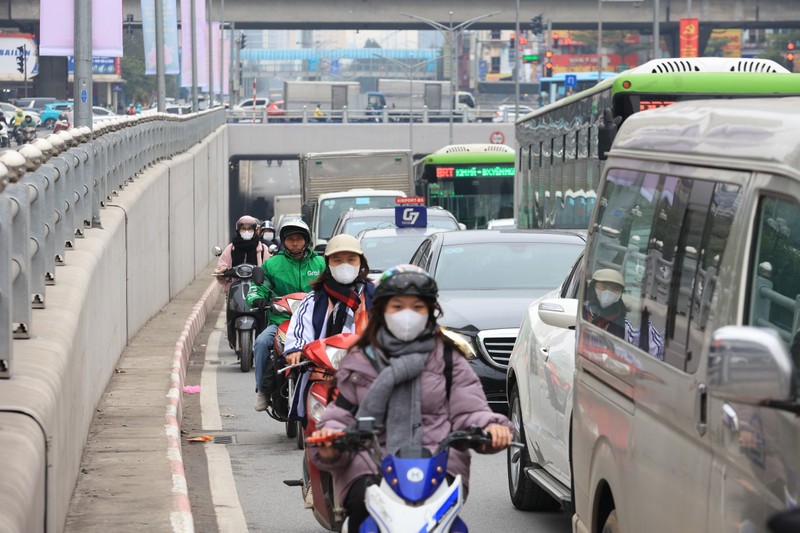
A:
[(245, 322)]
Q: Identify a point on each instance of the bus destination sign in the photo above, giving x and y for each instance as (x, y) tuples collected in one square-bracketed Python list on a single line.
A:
[(474, 171)]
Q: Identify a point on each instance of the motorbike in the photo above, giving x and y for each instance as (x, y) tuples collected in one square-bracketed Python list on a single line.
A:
[(414, 493), (25, 134), (244, 322), (321, 359), (287, 376), (4, 141), (62, 124)]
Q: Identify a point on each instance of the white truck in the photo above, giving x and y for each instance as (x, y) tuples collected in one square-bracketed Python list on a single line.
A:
[(436, 95), (333, 182), (287, 204), (331, 96)]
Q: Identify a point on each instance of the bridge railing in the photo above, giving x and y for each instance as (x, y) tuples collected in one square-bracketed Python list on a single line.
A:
[(52, 189), (354, 116)]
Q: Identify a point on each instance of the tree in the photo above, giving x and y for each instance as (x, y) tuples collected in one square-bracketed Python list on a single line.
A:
[(138, 86)]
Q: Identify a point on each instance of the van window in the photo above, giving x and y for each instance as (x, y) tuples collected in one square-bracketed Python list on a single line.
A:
[(774, 286), (665, 235)]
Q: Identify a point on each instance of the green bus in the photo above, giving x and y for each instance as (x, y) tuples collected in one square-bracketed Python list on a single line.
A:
[(561, 147), (475, 182)]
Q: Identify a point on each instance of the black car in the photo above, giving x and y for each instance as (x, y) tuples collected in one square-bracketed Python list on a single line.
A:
[(487, 279)]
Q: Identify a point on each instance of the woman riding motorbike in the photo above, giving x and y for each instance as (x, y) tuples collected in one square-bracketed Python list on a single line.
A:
[(399, 373), (245, 247)]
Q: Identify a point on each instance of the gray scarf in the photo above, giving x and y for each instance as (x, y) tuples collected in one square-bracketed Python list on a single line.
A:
[(394, 398)]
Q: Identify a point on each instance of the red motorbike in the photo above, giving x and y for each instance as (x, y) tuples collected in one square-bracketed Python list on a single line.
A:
[(287, 377), (322, 358)]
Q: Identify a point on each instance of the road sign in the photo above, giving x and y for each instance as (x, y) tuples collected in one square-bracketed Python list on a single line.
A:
[(570, 80), (411, 216), (497, 137)]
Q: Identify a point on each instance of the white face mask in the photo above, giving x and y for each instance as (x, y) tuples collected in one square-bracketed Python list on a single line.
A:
[(345, 273), (407, 324), (268, 236), (247, 235), (606, 298)]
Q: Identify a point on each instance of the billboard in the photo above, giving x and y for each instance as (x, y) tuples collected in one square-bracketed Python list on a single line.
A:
[(57, 28), (9, 52)]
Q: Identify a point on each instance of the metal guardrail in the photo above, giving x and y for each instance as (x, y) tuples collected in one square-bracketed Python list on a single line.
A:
[(347, 116), (53, 189)]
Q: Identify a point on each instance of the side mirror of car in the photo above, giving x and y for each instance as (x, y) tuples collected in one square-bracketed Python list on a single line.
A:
[(559, 312), (321, 245), (217, 251), (258, 275), (462, 226)]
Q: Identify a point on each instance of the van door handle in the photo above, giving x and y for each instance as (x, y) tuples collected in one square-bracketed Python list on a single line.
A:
[(729, 418), (546, 353), (702, 409)]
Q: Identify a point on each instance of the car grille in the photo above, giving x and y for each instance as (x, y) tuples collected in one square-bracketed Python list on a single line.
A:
[(497, 345)]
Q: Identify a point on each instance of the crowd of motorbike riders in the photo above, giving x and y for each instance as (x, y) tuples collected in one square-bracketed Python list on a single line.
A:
[(400, 370)]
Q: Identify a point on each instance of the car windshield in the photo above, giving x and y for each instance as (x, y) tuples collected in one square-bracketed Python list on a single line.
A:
[(333, 207), (356, 225), (385, 252), (505, 265)]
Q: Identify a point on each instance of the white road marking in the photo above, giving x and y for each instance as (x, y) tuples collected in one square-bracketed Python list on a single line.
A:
[(230, 517)]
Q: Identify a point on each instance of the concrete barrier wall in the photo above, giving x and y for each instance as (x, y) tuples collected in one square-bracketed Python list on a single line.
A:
[(115, 279)]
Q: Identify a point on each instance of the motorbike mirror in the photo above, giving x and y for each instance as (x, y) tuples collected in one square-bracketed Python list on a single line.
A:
[(273, 249), (217, 251), (365, 423), (258, 275)]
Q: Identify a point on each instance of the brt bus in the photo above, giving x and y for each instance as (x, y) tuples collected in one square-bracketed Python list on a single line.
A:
[(562, 145), (475, 182)]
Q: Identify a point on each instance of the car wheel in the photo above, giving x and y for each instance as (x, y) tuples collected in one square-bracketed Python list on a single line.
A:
[(525, 494), (611, 524), (49, 123)]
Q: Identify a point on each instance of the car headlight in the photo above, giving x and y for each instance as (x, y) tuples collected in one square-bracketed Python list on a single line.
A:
[(464, 342)]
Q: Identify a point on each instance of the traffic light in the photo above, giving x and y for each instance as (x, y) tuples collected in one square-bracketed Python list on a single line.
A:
[(523, 41), (537, 26), (555, 40), (790, 56), (242, 41), (21, 59), (548, 69)]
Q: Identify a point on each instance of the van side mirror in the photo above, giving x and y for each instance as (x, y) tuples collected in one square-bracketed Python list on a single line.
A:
[(320, 246), (750, 365), (258, 275), (606, 133)]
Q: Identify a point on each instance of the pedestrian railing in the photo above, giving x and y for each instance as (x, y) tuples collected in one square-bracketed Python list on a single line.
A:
[(349, 116), (53, 189)]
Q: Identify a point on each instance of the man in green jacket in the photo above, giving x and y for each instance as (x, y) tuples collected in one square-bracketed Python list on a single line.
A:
[(288, 271)]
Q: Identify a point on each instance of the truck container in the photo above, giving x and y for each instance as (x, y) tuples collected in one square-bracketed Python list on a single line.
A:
[(333, 182), (331, 96), (436, 95), (287, 204)]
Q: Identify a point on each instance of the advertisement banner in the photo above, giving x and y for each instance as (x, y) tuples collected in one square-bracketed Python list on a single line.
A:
[(201, 43), (226, 58), (689, 37), (171, 59), (729, 42), (57, 28), (100, 65), (10, 44)]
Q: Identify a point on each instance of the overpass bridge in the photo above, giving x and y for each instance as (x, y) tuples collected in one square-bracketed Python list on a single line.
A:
[(96, 237), (388, 14)]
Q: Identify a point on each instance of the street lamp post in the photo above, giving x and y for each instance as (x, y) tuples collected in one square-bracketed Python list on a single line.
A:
[(450, 32), (411, 69)]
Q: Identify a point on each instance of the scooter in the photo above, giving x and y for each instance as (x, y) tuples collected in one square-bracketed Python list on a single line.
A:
[(321, 359), (244, 322), (287, 376), (25, 133), (62, 124), (4, 141), (414, 493)]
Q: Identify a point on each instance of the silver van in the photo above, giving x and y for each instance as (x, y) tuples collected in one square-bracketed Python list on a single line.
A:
[(686, 404)]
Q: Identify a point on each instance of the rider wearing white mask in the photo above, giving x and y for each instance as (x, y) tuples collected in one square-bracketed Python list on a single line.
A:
[(244, 247), (603, 304), (339, 300)]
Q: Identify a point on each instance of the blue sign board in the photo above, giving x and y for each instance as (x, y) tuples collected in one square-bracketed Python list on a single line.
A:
[(411, 216), (83, 96), (570, 80)]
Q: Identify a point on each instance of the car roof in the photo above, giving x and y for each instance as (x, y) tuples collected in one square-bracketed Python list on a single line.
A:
[(394, 232), (388, 212), (510, 235)]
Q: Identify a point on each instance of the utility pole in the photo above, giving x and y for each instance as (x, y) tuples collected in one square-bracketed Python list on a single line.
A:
[(195, 102), (82, 79), (160, 68), (209, 18), (221, 51), (517, 40)]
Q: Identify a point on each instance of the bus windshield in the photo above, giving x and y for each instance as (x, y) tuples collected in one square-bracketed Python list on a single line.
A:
[(476, 187)]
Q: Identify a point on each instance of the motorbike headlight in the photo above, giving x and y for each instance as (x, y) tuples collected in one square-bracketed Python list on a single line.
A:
[(279, 309), (315, 408), (244, 270), (464, 342), (335, 355), (293, 304)]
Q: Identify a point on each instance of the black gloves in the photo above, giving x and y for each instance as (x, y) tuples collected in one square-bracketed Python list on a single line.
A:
[(260, 303)]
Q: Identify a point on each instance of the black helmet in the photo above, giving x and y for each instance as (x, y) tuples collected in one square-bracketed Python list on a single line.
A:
[(295, 226), (406, 280)]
